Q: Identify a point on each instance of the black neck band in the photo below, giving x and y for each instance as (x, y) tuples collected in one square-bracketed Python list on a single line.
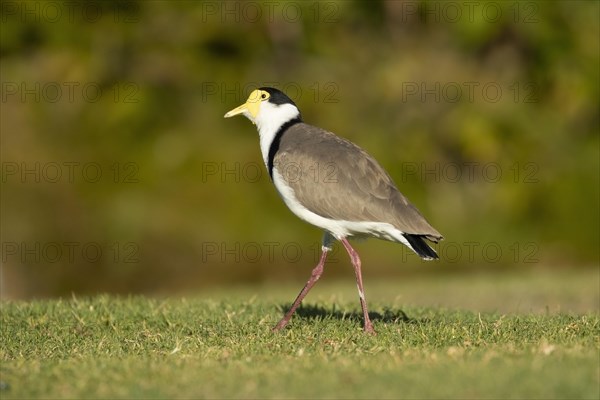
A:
[(276, 140)]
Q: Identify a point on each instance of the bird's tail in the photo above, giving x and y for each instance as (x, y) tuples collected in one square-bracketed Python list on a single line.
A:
[(419, 246)]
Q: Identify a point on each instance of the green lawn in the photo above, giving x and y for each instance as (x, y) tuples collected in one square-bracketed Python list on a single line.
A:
[(531, 335)]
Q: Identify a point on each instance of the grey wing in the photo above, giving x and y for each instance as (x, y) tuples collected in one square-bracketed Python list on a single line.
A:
[(336, 179)]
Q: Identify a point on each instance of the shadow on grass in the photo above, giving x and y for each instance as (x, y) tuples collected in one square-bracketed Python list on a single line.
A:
[(318, 312)]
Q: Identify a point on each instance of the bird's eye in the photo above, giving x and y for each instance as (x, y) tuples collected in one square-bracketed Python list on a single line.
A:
[(263, 96)]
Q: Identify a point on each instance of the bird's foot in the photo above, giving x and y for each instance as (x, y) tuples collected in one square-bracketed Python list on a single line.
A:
[(280, 325), (369, 329)]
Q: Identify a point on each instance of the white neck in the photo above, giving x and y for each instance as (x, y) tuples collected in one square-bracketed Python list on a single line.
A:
[(270, 118)]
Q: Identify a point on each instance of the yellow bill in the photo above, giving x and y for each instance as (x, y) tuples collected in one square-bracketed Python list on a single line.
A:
[(251, 106)]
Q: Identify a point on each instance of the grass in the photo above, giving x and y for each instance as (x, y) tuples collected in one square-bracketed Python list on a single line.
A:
[(219, 345)]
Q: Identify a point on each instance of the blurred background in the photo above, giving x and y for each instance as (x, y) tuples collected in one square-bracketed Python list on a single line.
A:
[(120, 175)]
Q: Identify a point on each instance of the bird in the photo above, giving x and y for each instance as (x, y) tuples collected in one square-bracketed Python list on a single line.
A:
[(333, 184)]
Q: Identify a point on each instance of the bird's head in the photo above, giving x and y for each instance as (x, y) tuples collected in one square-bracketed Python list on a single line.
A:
[(267, 107)]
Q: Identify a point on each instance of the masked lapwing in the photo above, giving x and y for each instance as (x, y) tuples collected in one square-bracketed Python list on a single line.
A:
[(333, 184)]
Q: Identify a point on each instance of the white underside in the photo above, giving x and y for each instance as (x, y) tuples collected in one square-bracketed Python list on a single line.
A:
[(338, 228)]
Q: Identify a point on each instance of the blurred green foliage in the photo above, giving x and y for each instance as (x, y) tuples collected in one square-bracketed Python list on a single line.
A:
[(120, 174)]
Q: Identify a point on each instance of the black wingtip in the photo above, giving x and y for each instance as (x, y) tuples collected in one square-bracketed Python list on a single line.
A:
[(419, 246)]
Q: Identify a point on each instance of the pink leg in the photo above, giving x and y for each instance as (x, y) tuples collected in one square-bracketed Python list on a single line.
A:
[(361, 292), (314, 277)]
